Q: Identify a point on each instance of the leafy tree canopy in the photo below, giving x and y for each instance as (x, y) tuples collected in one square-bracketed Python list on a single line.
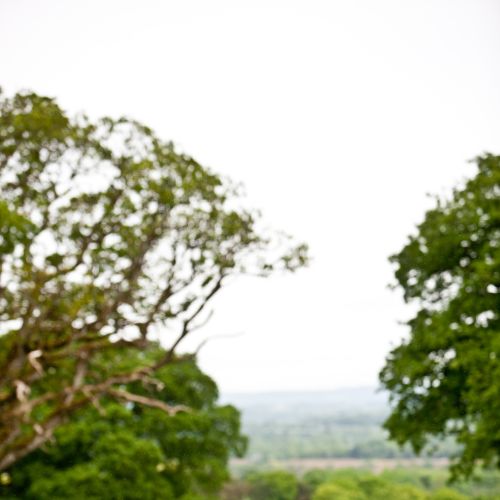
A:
[(358, 484), (445, 378), (367, 487), (129, 451), (109, 238), (273, 485)]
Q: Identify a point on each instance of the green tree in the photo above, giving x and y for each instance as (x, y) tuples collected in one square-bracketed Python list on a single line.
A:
[(108, 237), (315, 477), (273, 485), (366, 487), (129, 451), (445, 378), (447, 494), (335, 491)]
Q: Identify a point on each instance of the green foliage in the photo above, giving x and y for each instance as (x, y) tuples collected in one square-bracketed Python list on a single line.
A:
[(399, 484), (273, 485), (14, 229), (329, 436), (445, 378), (351, 485), (447, 494), (108, 237), (358, 484), (315, 477), (334, 491), (134, 452), (122, 466), (322, 426)]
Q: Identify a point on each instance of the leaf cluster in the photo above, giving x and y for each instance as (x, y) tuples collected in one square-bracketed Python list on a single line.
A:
[(109, 238), (445, 377), (134, 452)]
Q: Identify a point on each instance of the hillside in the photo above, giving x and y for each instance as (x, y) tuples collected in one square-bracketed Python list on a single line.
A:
[(340, 424)]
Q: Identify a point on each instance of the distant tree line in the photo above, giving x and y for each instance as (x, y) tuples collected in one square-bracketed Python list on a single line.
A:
[(348, 484)]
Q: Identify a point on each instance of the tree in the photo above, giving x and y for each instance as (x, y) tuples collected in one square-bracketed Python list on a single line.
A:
[(135, 452), (367, 487), (445, 378), (339, 491), (273, 485), (447, 494), (108, 238)]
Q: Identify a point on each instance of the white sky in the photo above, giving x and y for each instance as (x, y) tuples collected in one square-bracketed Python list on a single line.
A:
[(338, 116)]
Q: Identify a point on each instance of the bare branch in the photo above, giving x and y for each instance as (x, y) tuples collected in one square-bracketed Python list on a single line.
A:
[(143, 400), (187, 322)]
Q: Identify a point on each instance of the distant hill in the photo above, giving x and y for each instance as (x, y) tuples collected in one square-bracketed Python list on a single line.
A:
[(343, 423), (284, 406)]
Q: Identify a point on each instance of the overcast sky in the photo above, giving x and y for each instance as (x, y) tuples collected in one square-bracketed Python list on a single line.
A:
[(338, 117)]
